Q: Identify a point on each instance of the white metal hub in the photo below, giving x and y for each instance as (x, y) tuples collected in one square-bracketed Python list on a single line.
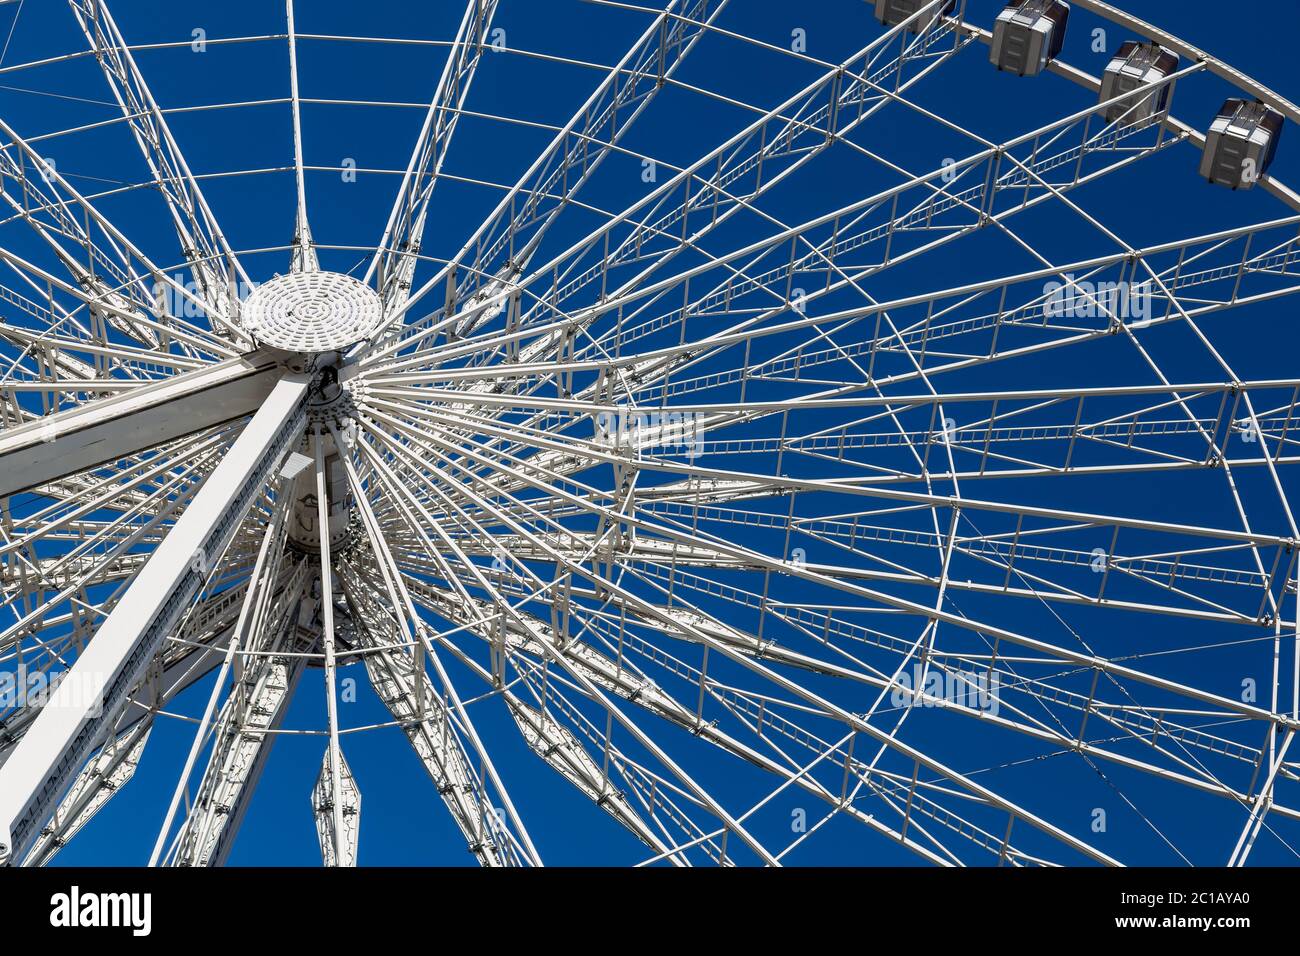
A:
[(312, 312)]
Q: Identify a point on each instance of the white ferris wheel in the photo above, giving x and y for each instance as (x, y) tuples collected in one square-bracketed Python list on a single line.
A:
[(851, 477)]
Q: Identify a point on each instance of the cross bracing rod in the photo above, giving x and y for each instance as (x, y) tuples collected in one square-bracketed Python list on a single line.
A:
[(73, 723)]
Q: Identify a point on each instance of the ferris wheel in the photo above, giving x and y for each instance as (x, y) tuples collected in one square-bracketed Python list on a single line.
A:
[(737, 455)]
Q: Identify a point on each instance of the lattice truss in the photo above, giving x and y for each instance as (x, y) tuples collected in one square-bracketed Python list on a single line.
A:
[(870, 472)]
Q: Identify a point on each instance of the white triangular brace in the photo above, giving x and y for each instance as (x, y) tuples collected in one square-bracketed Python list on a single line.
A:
[(323, 805)]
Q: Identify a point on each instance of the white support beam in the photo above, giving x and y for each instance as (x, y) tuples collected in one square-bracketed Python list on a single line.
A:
[(133, 421), (88, 700), (304, 249)]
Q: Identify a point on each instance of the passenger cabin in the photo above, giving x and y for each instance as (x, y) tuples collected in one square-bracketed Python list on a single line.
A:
[(1028, 35), (1241, 143), (893, 12), (1135, 65)]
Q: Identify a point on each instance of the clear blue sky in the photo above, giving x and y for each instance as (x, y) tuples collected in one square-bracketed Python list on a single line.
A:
[(403, 822)]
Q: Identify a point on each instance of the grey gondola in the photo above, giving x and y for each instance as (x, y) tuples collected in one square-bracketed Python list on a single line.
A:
[(1135, 65), (1028, 35), (893, 12), (1241, 143)]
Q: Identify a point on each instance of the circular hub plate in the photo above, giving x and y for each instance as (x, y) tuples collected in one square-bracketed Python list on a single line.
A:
[(312, 312)]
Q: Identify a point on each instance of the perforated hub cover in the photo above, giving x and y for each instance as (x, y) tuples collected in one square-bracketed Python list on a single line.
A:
[(312, 312)]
